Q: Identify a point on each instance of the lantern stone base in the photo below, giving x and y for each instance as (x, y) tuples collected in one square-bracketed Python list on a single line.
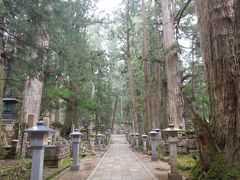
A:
[(75, 167), (92, 153), (154, 158), (174, 176)]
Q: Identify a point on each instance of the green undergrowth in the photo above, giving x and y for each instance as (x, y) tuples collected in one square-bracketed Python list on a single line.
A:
[(3, 152), (19, 170), (186, 163), (192, 169), (164, 158), (219, 170)]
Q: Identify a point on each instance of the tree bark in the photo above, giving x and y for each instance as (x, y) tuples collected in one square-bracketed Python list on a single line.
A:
[(114, 113), (146, 67), (175, 99), (203, 135), (71, 117), (160, 114), (32, 98), (134, 118), (218, 44), (2, 73)]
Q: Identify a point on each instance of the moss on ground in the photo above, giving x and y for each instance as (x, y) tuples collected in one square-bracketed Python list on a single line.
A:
[(219, 170), (164, 158), (186, 163)]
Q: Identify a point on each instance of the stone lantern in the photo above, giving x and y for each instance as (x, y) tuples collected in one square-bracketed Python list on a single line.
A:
[(132, 140), (172, 139), (144, 139), (127, 134), (159, 133), (38, 142), (153, 135), (76, 139), (99, 141), (136, 140), (108, 137), (103, 140)]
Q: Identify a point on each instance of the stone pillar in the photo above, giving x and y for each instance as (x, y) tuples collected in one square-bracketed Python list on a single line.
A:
[(153, 135), (39, 138), (99, 143), (127, 133), (76, 139), (108, 137), (136, 138), (92, 142), (132, 140), (37, 163), (144, 139), (103, 140)]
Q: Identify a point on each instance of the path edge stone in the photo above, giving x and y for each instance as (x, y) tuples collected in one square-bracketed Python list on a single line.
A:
[(145, 167), (95, 169)]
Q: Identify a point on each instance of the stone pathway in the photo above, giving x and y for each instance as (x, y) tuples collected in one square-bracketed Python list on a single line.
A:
[(120, 163)]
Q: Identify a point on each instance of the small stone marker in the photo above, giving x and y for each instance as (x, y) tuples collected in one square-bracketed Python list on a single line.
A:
[(76, 139), (103, 140), (136, 138), (153, 135), (99, 139), (39, 140), (172, 138), (132, 140), (144, 139), (92, 143), (108, 137)]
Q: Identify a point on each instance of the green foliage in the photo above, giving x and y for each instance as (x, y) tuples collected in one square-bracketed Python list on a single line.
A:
[(217, 168), (20, 170), (90, 104), (197, 172), (163, 158), (55, 93), (220, 169), (186, 162), (3, 152)]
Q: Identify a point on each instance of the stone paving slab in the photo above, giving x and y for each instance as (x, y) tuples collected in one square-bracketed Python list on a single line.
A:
[(87, 165), (119, 163)]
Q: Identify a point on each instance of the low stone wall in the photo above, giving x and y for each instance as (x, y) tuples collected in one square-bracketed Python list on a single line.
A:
[(54, 155), (184, 146)]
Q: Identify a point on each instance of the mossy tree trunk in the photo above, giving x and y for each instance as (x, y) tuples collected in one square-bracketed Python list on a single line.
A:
[(217, 25), (159, 95), (134, 118), (175, 98), (2, 73), (114, 112), (71, 117), (146, 70)]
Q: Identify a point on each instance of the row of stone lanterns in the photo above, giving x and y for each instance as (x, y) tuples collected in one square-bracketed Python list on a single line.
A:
[(171, 138), (39, 139)]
